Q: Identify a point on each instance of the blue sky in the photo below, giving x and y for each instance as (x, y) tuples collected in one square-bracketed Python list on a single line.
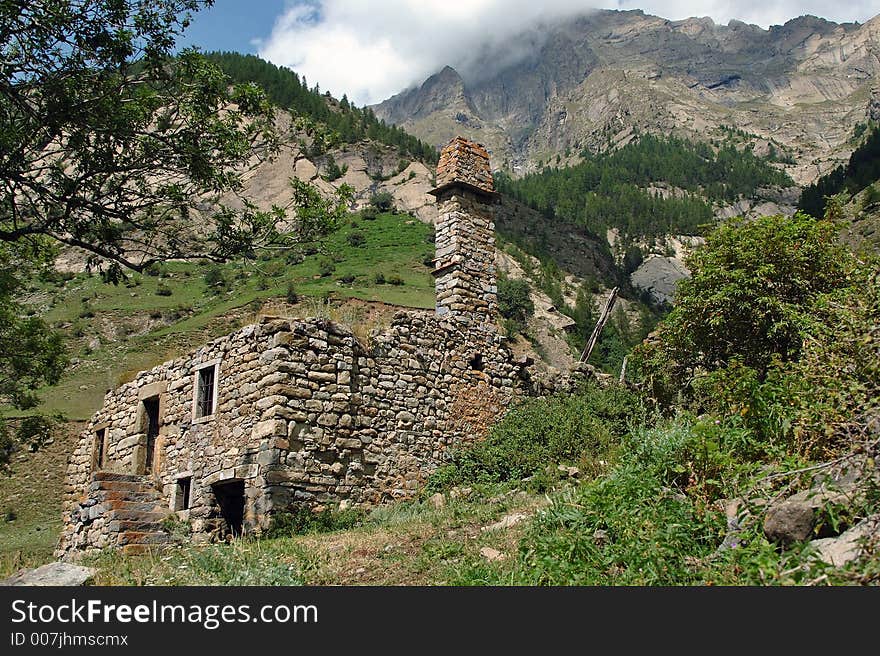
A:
[(234, 24), (371, 49)]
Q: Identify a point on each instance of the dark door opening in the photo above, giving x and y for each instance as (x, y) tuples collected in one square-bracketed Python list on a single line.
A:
[(230, 498), (151, 417)]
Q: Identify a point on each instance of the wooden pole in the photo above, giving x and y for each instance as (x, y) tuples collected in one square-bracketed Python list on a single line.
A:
[(623, 369), (603, 319)]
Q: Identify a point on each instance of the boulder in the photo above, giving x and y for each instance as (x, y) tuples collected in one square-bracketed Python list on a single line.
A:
[(491, 554), (508, 521), (849, 545), (789, 521), (53, 574)]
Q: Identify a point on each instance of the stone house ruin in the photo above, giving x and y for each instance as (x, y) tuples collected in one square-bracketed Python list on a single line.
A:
[(287, 413)]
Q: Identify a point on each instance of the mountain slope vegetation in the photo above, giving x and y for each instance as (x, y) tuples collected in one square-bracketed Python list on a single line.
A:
[(342, 121), (624, 189)]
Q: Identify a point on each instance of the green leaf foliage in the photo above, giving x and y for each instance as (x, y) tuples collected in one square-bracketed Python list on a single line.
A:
[(862, 169), (31, 354), (108, 136), (344, 122), (751, 293), (538, 435), (613, 190)]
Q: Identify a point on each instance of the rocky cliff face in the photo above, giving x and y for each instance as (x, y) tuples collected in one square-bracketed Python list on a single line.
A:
[(590, 83)]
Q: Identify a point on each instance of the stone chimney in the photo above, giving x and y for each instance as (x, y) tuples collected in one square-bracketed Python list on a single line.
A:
[(465, 234)]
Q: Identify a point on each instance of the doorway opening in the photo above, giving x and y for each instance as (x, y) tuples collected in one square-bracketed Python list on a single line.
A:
[(230, 499)]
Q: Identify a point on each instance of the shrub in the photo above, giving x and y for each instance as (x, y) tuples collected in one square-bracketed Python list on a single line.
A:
[(215, 280), (303, 520), (326, 267), (379, 278), (395, 280), (163, 290), (751, 290), (579, 429), (332, 171), (347, 278), (778, 329), (514, 300), (369, 214), (383, 201), (291, 295), (356, 238)]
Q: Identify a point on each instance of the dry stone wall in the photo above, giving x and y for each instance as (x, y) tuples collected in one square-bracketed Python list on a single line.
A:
[(292, 413)]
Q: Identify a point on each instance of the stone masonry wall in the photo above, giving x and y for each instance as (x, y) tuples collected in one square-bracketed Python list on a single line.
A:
[(464, 271), (305, 414)]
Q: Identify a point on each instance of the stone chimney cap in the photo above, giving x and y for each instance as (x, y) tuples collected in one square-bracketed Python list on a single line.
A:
[(464, 163)]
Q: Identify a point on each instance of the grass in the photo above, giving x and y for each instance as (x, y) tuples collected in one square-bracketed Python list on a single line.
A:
[(405, 543), (31, 490), (139, 329)]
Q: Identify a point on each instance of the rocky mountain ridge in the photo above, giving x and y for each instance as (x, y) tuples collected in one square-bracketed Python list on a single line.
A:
[(593, 82)]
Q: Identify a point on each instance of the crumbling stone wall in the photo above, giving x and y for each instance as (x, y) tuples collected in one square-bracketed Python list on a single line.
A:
[(307, 415), (304, 413)]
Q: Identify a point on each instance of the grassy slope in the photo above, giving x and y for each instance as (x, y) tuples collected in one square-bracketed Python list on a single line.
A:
[(406, 543), (396, 244)]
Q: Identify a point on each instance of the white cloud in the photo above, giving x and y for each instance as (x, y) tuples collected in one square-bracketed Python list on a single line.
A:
[(370, 50)]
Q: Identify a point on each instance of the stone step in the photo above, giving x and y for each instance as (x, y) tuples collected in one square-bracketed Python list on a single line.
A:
[(143, 537), (134, 525), (124, 495), (136, 506), (112, 476), (122, 486), (137, 515)]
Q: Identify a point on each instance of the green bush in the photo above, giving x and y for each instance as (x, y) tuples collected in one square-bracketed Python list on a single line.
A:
[(395, 280), (581, 429), (356, 238), (751, 291), (777, 328), (163, 290), (291, 295), (303, 520), (215, 280), (514, 300), (379, 278), (326, 267), (382, 201)]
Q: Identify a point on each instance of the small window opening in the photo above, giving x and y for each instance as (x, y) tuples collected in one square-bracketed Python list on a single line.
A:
[(181, 494), (98, 459), (151, 419), (205, 392), (476, 363)]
